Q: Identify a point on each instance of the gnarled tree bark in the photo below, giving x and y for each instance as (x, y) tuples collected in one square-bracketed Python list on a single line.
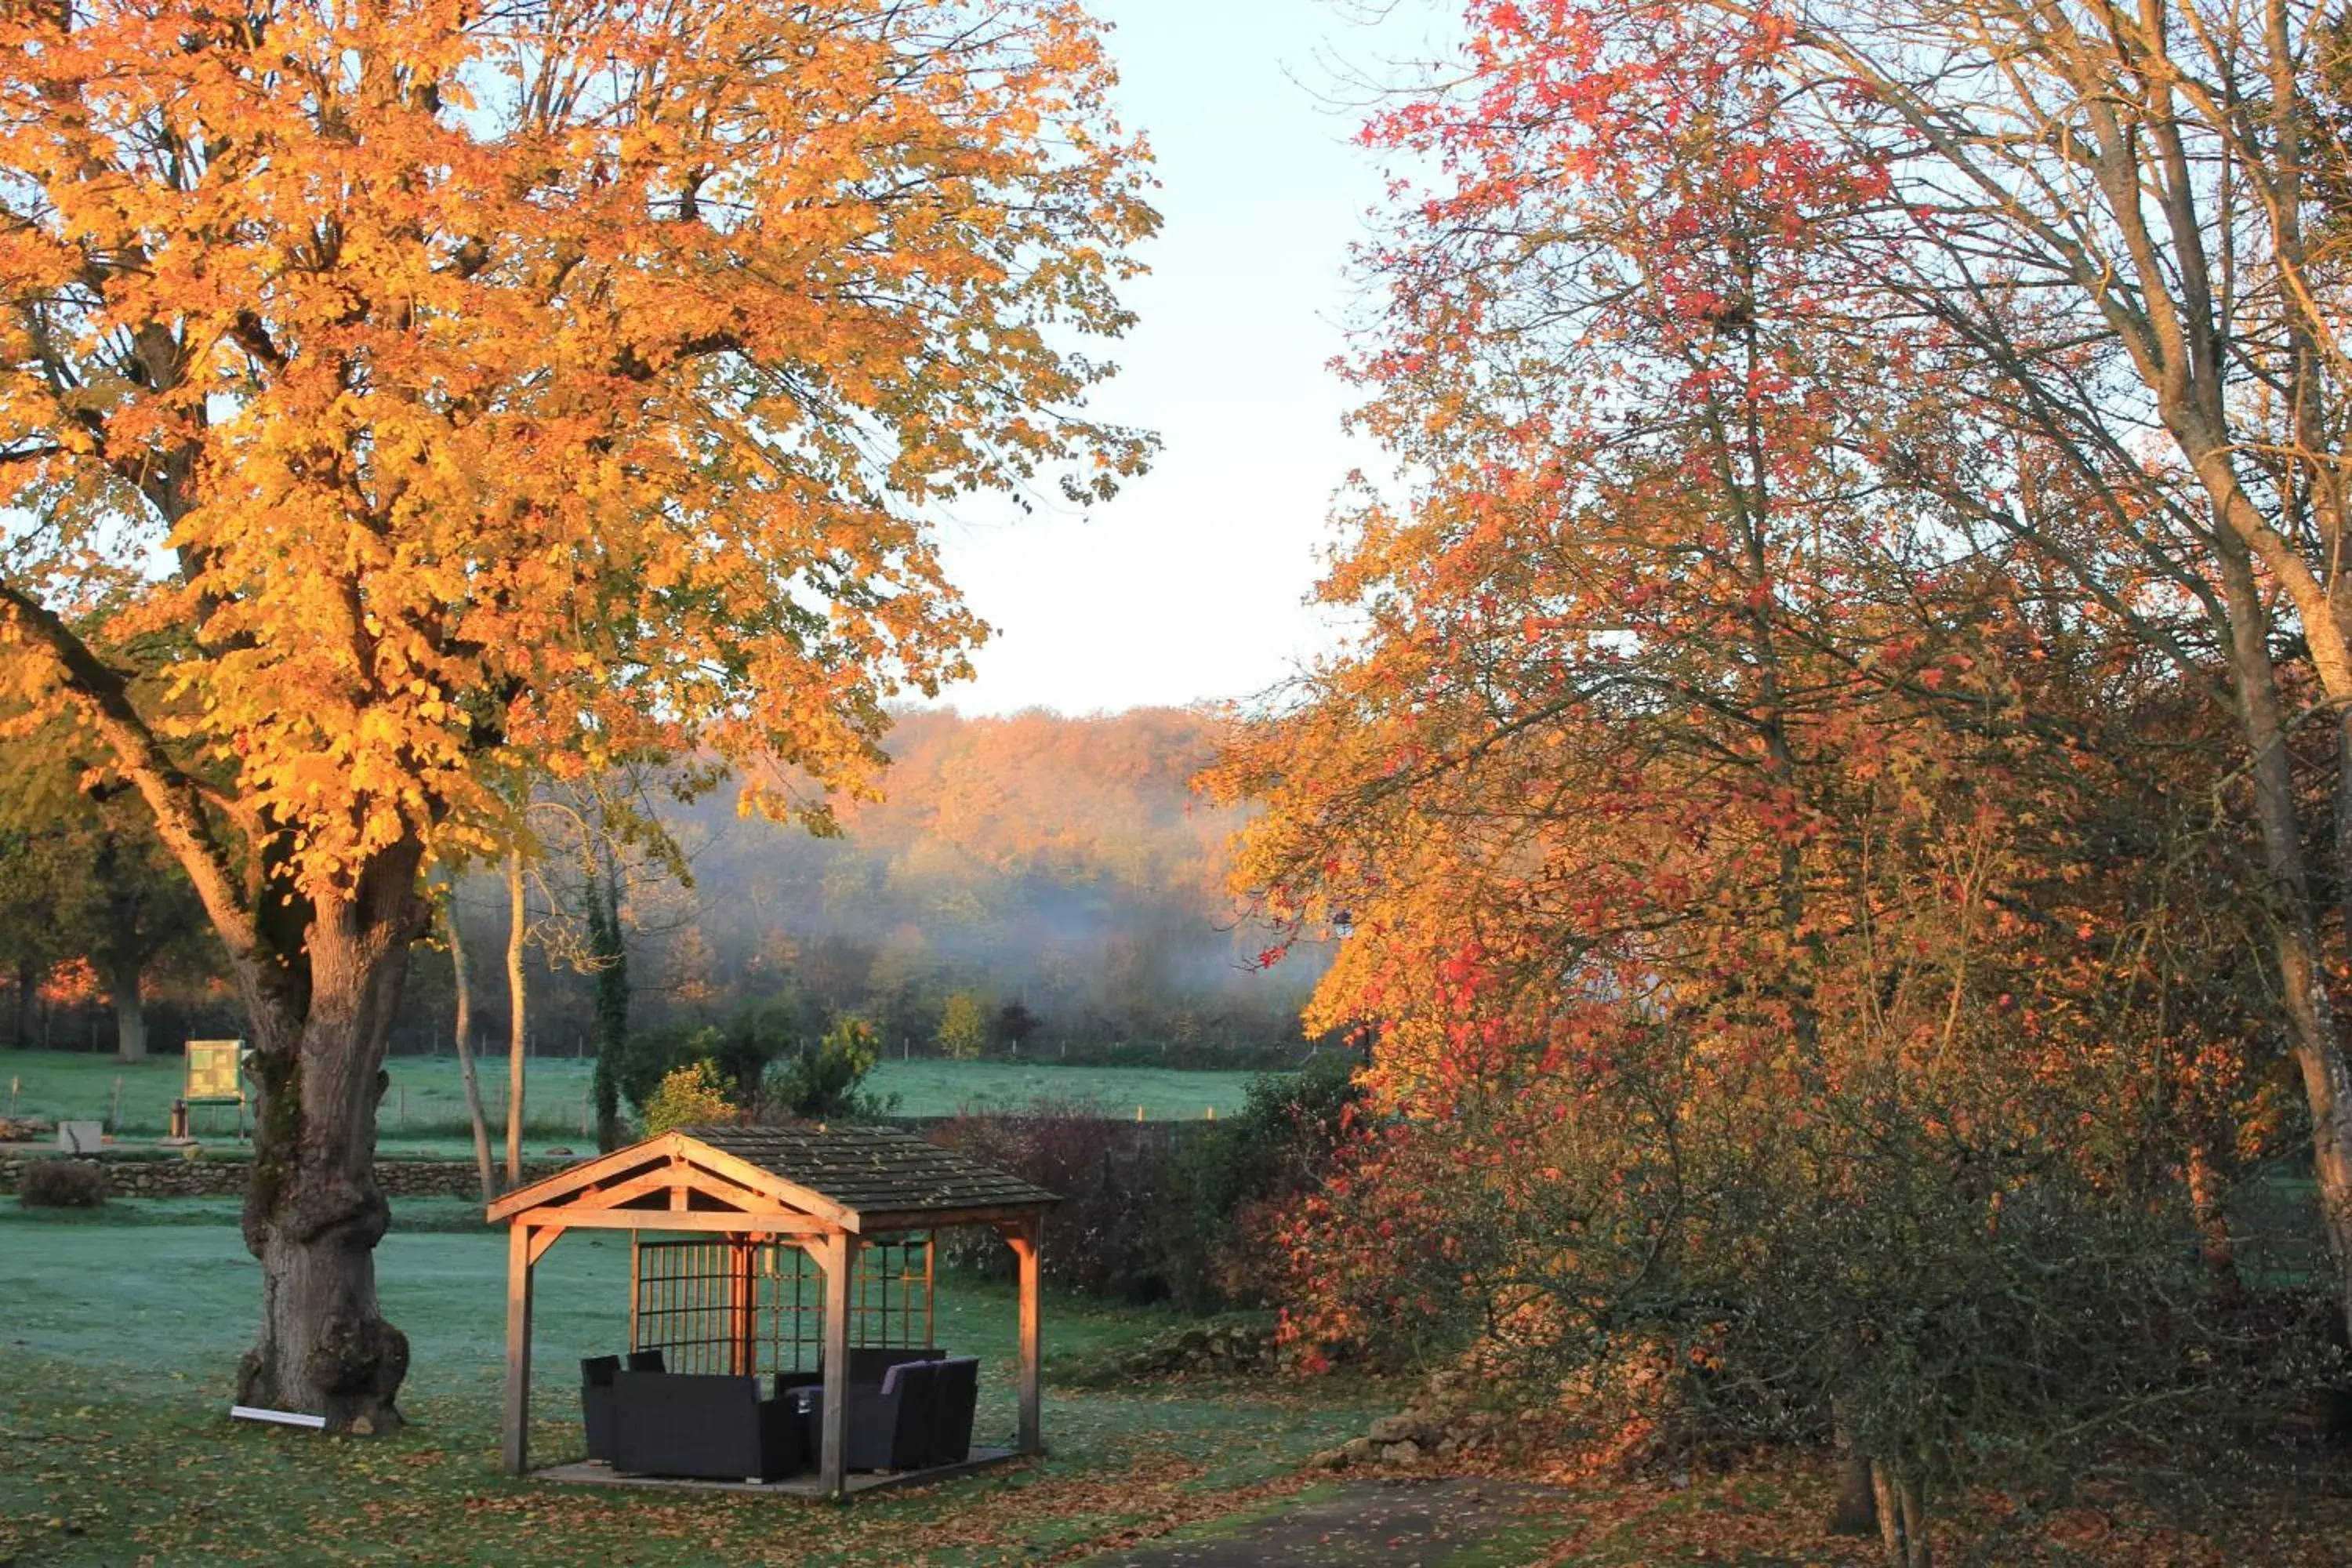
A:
[(314, 1212)]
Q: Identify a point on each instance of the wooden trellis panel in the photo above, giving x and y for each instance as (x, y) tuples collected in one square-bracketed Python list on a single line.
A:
[(729, 1305)]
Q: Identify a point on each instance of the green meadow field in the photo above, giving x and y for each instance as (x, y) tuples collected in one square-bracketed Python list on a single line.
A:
[(426, 1108)]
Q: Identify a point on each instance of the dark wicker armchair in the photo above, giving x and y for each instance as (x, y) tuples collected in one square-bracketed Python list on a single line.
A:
[(893, 1424)]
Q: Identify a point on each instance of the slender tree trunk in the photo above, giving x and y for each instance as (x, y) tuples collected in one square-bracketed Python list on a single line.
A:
[(1902, 1518), (2207, 1208), (2343, 805), (1889, 1509), (465, 988), (122, 986), (123, 948), (516, 1035), (321, 1018), (28, 985), (2311, 1013), (1917, 1553)]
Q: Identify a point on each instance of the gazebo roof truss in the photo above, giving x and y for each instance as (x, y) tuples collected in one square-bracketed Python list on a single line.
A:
[(805, 1180)]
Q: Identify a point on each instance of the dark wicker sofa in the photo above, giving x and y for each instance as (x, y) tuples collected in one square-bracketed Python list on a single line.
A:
[(706, 1426)]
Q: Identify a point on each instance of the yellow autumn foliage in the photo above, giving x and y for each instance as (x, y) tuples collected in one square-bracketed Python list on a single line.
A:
[(442, 395), (690, 1096)]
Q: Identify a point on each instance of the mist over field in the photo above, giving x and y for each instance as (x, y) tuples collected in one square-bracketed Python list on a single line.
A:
[(1061, 864)]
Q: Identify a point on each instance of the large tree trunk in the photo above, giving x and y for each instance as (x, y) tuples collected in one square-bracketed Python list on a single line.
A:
[(483, 1162), (1854, 1511), (319, 976), (314, 1213), (516, 1036)]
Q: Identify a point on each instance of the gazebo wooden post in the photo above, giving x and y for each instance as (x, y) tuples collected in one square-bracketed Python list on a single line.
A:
[(518, 1399), (1022, 1237), (742, 1306), (840, 1259)]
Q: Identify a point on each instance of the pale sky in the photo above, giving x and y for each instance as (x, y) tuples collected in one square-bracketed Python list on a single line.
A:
[(1190, 585)]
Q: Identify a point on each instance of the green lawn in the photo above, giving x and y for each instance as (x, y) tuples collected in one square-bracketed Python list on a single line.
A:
[(427, 1108), (119, 1333), (1164, 1094)]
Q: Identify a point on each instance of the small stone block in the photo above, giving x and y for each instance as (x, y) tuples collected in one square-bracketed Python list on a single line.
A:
[(80, 1137)]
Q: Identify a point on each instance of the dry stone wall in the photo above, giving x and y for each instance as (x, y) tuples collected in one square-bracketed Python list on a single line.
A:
[(148, 1176)]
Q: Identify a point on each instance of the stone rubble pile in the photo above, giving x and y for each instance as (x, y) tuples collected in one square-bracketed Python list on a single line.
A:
[(1206, 1349), (1439, 1426)]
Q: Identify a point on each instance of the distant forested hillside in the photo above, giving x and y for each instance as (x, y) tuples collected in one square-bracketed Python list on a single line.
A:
[(1052, 877)]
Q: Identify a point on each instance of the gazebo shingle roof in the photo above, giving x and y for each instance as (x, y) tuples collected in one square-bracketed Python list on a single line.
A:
[(872, 1170)]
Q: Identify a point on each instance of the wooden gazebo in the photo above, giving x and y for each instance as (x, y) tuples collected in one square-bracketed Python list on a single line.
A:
[(753, 1206)]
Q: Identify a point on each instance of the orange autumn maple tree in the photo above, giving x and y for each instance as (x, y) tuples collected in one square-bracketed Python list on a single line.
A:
[(1800, 921), (426, 395)]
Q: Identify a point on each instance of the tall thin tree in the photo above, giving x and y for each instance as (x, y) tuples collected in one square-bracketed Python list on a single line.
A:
[(517, 1018), (464, 1034)]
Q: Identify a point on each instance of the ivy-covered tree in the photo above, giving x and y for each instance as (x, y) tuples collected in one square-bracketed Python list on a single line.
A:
[(609, 953)]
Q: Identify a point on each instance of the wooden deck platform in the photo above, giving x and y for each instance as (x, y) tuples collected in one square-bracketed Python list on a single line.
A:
[(805, 1485)]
